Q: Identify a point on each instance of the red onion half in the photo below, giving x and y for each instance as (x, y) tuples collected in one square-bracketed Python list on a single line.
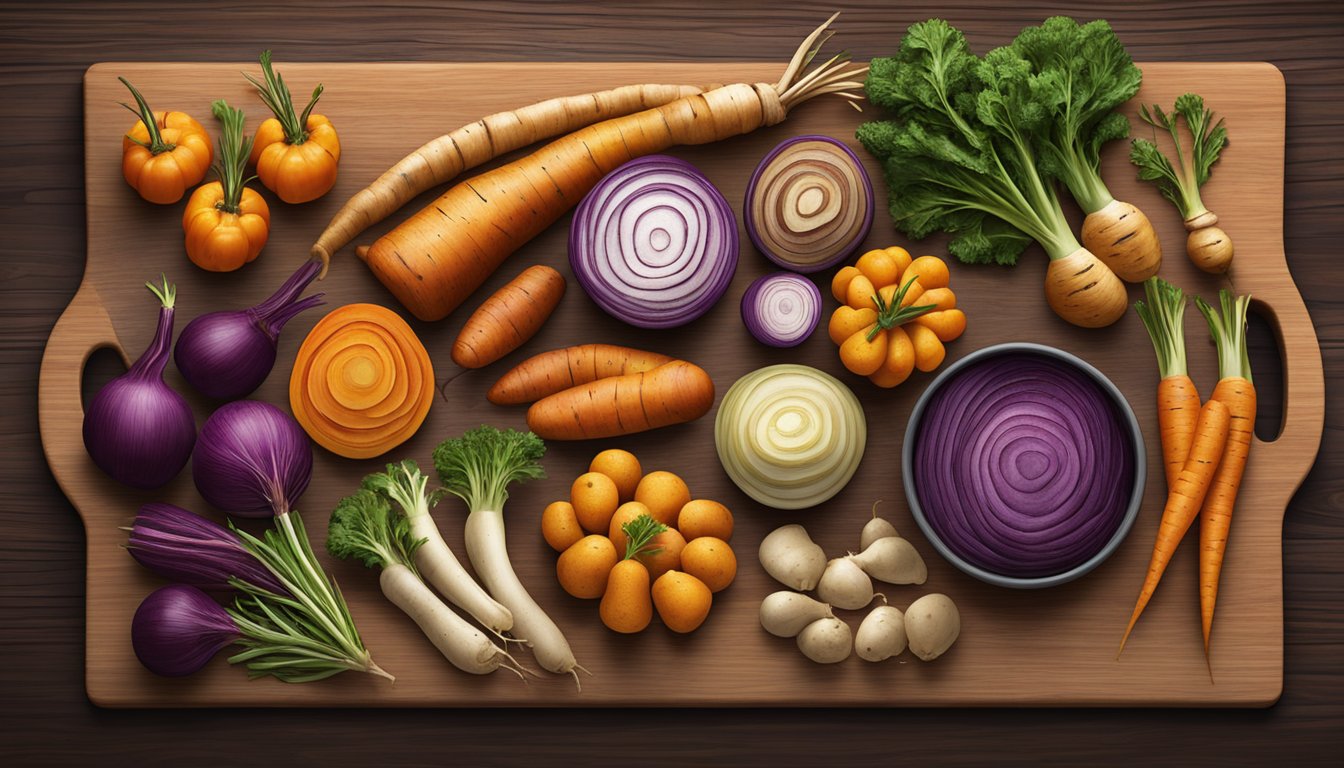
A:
[(654, 243), (781, 310), (252, 460), (809, 204), (1024, 466)]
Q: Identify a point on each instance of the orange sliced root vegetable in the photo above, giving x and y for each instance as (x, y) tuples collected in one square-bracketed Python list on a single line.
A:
[(511, 316), (362, 382), (1184, 500), (559, 369)]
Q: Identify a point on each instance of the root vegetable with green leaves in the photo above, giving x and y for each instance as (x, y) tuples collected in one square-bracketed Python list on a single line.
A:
[(1207, 245)]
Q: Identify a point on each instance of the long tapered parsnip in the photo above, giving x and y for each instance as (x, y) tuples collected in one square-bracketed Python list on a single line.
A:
[(465, 646), (432, 261), (449, 155)]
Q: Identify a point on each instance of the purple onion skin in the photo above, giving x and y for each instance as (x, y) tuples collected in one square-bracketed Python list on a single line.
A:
[(227, 355), (178, 629), (137, 429), (252, 460), (759, 326), (180, 545)]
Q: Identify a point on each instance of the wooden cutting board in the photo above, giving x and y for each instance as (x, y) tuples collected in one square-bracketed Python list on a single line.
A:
[(1052, 647)]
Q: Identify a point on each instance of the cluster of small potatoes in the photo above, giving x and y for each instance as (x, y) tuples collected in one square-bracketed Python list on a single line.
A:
[(679, 569), (928, 627)]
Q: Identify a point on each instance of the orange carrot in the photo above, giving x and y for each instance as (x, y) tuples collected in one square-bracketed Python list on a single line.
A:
[(511, 316), (1236, 391), (621, 405), (432, 261), (555, 371), (1177, 399), (1184, 499), (443, 158)]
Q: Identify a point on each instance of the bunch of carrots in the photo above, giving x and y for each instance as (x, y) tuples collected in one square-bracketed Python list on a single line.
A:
[(1204, 448)]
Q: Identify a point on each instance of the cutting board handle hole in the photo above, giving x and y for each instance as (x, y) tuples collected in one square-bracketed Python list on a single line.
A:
[(103, 365), (1264, 342)]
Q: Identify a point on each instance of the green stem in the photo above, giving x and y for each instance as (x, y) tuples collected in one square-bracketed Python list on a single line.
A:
[(234, 148), (156, 145), (892, 314), (1163, 315), (275, 94), (1228, 329), (639, 532)]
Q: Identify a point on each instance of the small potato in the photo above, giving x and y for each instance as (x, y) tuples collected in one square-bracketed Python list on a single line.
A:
[(683, 601), (595, 499), (932, 624), (874, 529), (583, 568), (893, 560), (703, 517), (826, 641), (664, 494), (785, 613), (560, 526), (881, 635), (663, 553), (626, 607), (790, 556), (710, 560), (623, 469), (844, 585), (624, 514)]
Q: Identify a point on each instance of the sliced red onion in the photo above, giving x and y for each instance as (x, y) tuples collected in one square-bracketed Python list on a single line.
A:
[(809, 204), (782, 309), (1023, 465), (654, 243)]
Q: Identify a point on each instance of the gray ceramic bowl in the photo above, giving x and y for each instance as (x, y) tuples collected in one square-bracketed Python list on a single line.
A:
[(1135, 439)]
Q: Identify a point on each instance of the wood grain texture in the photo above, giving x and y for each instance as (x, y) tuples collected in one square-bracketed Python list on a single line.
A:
[(47, 49), (730, 661)]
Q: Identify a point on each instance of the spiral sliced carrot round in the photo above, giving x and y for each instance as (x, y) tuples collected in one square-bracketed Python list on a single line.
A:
[(362, 381)]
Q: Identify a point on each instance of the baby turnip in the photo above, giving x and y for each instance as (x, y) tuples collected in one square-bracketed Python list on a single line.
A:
[(826, 641), (932, 624), (845, 585), (785, 613), (881, 635), (893, 560), (877, 528), (792, 558)]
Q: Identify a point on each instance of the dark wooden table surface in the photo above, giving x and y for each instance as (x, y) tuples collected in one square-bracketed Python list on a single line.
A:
[(44, 715)]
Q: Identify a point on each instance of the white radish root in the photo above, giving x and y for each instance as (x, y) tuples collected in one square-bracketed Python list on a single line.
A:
[(893, 560), (440, 567), (844, 585), (790, 556), (784, 613), (465, 646), (826, 641), (932, 624), (881, 635)]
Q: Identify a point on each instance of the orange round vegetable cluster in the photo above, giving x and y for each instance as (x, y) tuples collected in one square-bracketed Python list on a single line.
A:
[(895, 314), (676, 572), (362, 381)]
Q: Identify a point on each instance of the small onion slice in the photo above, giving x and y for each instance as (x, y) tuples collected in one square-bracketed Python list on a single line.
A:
[(1023, 465), (789, 435), (654, 243), (781, 310), (809, 204)]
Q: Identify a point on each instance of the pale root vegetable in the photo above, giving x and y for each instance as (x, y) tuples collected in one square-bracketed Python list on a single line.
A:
[(705, 517), (555, 371), (626, 606), (595, 499), (465, 646), (670, 394), (785, 613), (443, 158), (710, 560), (1084, 291), (790, 556), (826, 641), (432, 261), (881, 635), (664, 493), (876, 528), (845, 585), (511, 316), (682, 600), (932, 624), (582, 569), (623, 469), (560, 526), (664, 553), (626, 513), (1122, 237), (1207, 245), (892, 559)]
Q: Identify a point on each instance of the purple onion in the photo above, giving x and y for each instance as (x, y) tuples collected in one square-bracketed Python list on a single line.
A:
[(809, 204), (178, 629), (781, 310), (228, 354), (252, 460), (1023, 465), (137, 429), (654, 243), (180, 545)]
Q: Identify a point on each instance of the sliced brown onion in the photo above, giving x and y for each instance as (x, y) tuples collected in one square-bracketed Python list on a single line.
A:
[(809, 204), (782, 309), (654, 243)]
